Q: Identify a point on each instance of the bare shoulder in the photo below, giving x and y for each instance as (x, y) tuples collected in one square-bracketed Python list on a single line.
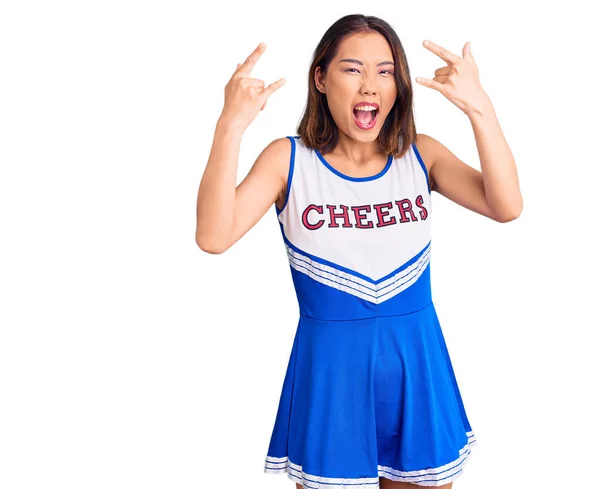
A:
[(268, 173), (453, 178), (427, 149), (271, 166), (277, 155), (260, 188)]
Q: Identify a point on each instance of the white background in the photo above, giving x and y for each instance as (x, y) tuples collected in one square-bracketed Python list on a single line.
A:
[(129, 358)]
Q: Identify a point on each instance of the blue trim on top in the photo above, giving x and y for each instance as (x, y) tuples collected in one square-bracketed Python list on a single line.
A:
[(355, 179), (290, 175), (414, 145)]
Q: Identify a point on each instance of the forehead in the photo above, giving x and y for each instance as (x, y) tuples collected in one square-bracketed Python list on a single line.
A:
[(369, 48)]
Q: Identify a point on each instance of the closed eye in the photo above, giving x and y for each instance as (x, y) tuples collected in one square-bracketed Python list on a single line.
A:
[(390, 72)]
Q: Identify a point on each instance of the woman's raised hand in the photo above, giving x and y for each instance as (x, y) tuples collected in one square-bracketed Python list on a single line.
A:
[(458, 81), (245, 97)]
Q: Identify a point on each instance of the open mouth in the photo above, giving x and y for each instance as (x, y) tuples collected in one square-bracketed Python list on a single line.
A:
[(365, 119)]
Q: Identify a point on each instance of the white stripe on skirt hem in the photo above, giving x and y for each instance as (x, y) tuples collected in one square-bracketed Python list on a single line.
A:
[(437, 476)]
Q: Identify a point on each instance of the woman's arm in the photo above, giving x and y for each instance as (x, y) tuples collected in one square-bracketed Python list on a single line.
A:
[(500, 177), (223, 212), (226, 212), (493, 192)]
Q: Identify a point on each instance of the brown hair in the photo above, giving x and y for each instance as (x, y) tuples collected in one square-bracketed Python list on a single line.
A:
[(317, 127)]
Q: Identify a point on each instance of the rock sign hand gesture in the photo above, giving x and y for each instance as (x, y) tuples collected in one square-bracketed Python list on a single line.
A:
[(245, 97), (458, 81)]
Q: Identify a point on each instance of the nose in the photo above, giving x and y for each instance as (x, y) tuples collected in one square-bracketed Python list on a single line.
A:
[(368, 87)]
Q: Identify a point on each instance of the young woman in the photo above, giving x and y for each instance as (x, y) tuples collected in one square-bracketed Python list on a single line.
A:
[(369, 397)]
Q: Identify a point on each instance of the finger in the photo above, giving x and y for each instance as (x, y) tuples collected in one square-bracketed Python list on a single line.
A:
[(236, 72), (442, 71), (272, 88), (251, 60), (254, 82), (467, 50), (442, 53), (431, 84)]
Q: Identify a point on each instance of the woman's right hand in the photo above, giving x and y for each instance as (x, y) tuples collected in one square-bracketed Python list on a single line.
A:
[(245, 97)]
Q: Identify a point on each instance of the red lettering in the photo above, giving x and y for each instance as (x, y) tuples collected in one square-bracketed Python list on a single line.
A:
[(360, 217), (333, 216), (403, 210), (381, 214), (308, 225), (419, 202)]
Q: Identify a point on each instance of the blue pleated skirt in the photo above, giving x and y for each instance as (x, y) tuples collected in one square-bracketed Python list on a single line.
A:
[(369, 398)]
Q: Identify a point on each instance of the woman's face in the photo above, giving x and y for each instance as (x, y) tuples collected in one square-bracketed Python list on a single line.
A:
[(362, 71)]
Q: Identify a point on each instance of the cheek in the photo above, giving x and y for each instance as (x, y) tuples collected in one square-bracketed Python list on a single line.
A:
[(343, 90), (339, 112), (390, 97), (339, 103), (390, 89)]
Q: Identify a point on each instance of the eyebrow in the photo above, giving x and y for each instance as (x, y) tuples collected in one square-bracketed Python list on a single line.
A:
[(351, 60)]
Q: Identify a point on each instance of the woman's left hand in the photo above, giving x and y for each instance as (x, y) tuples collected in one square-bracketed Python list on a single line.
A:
[(459, 80)]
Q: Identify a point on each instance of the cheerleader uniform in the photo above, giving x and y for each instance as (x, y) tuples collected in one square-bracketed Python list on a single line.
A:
[(369, 389)]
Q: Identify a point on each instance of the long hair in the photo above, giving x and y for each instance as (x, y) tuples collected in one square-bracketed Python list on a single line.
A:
[(317, 127)]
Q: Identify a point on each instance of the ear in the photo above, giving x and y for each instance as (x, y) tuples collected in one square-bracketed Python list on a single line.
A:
[(319, 80)]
